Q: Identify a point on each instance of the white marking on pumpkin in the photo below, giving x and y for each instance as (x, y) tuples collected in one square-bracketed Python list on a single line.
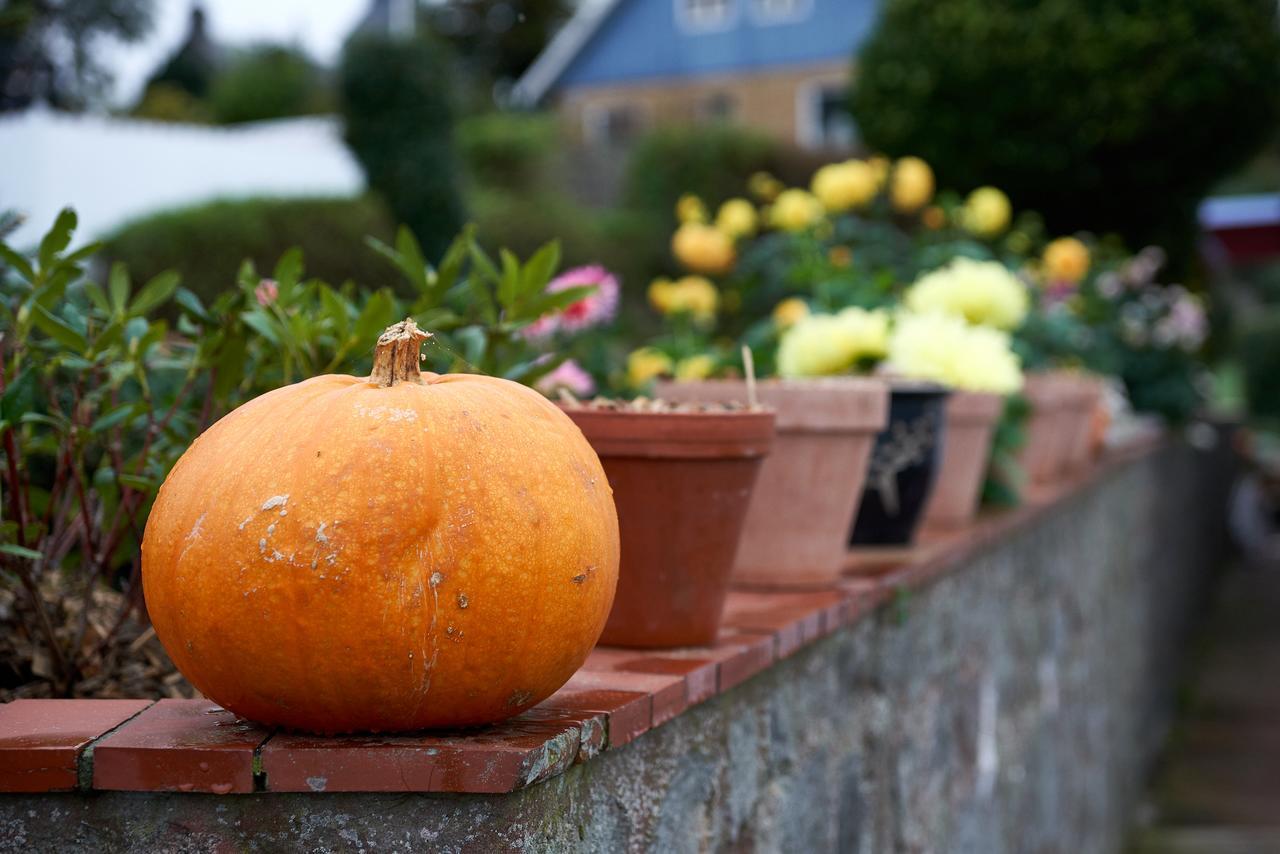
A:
[(271, 529), (320, 535), (195, 529), (275, 501), (262, 544)]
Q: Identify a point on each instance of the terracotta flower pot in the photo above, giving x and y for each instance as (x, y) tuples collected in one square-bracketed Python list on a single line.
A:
[(682, 482), (1048, 435), (971, 425), (904, 463), (1083, 398), (798, 523)]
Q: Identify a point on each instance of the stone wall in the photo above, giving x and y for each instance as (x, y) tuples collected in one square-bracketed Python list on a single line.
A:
[(1011, 702)]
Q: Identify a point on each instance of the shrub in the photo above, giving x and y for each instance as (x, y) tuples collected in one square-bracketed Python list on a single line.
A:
[(399, 125), (506, 150), (267, 82), (1259, 353), (713, 162), (1102, 115), (206, 243)]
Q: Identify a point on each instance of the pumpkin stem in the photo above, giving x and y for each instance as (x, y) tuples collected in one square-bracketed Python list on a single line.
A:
[(395, 360)]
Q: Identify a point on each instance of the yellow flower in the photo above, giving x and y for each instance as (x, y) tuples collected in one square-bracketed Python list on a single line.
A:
[(694, 295), (645, 364), (828, 344), (764, 186), (691, 209), (795, 210), (944, 349), (1066, 260), (933, 217), (703, 248), (789, 312), (841, 186), (986, 212), (982, 292), (695, 367), (911, 186), (880, 168), (737, 218)]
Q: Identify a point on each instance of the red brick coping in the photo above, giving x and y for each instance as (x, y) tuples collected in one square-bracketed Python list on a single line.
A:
[(619, 694)]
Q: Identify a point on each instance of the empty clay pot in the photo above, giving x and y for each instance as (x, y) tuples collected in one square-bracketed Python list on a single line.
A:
[(798, 523), (904, 463), (971, 424), (1047, 433), (682, 482)]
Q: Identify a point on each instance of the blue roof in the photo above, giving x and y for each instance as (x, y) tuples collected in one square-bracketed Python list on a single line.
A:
[(630, 40)]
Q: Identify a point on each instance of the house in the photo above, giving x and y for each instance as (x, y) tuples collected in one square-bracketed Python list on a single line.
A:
[(620, 67)]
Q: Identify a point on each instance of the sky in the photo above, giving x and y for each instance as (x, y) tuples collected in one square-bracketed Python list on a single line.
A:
[(319, 26)]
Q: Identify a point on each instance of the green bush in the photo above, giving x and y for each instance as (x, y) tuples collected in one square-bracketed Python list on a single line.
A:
[(711, 161), (206, 243), (399, 121), (267, 82), (1259, 353), (1104, 115), (506, 150)]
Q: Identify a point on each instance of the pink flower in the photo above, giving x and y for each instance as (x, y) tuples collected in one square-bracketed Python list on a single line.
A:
[(570, 376), (267, 291), (595, 308)]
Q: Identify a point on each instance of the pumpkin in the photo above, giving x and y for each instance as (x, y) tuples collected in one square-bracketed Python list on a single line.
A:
[(380, 554)]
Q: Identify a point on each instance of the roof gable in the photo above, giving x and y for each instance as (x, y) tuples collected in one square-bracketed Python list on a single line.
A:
[(627, 40)]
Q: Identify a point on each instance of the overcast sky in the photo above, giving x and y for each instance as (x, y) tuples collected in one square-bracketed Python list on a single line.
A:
[(319, 26)]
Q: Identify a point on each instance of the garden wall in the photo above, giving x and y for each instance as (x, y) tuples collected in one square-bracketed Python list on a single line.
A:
[(1000, 690)]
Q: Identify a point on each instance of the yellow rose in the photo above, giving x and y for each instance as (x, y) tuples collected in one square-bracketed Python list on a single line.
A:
[(695, 295), (829, 344), (986, 212), (737, 218), (944, 349), (691, 209), (789, 312), (982, 292), (911, 186), (695, 367), (1066, 260), (645, 364), (841, 186), (703, 248), (880, 168), (764, 186), (795, 210), (660, 294)]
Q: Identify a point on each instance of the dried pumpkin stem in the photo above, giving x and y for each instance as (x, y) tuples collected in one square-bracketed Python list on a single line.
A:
[(397, 355)]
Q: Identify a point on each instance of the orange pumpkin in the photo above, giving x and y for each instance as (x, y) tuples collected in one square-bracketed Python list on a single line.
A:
[(383, 554)]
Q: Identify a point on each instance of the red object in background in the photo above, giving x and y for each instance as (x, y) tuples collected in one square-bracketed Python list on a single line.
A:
[(1247, 228)]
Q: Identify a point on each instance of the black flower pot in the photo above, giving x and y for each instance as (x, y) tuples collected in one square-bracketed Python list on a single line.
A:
[(903, 464)]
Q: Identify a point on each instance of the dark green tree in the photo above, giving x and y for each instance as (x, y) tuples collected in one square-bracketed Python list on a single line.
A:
[(194, 64), (1111, 115), (267, 82), (46, 49), (399, 123)]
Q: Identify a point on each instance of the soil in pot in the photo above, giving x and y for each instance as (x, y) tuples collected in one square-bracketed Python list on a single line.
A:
[(682, 479), (798, 522), (902, 469), (971, 419)]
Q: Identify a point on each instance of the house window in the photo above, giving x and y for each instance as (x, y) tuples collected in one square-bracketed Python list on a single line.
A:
[(823, 120), (705, 16), (780, 11), (611, 124)]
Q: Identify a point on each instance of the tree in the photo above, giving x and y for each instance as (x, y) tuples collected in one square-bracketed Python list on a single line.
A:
[(399, 124), (1102, 114), (46, 48), (266, 82)]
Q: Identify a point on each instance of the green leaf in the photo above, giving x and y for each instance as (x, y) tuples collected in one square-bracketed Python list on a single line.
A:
[(406, 256), (263, 325), (19, 396), (59, 330), (509, 282), (154, 293), (97, 296), (558, 300), (86, 251), (138, 482), (377, 315), (230, 367), (540, 269), (288, 270), (17, 262), (19, 551), (48, 420), (57, 238), (190, 303), (116, 416), (119, 286), (337, 310)]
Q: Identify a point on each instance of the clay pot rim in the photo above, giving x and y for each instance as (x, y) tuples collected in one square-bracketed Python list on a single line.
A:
[(835, 405), (676, 435), (900, 387), (974, 407)]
